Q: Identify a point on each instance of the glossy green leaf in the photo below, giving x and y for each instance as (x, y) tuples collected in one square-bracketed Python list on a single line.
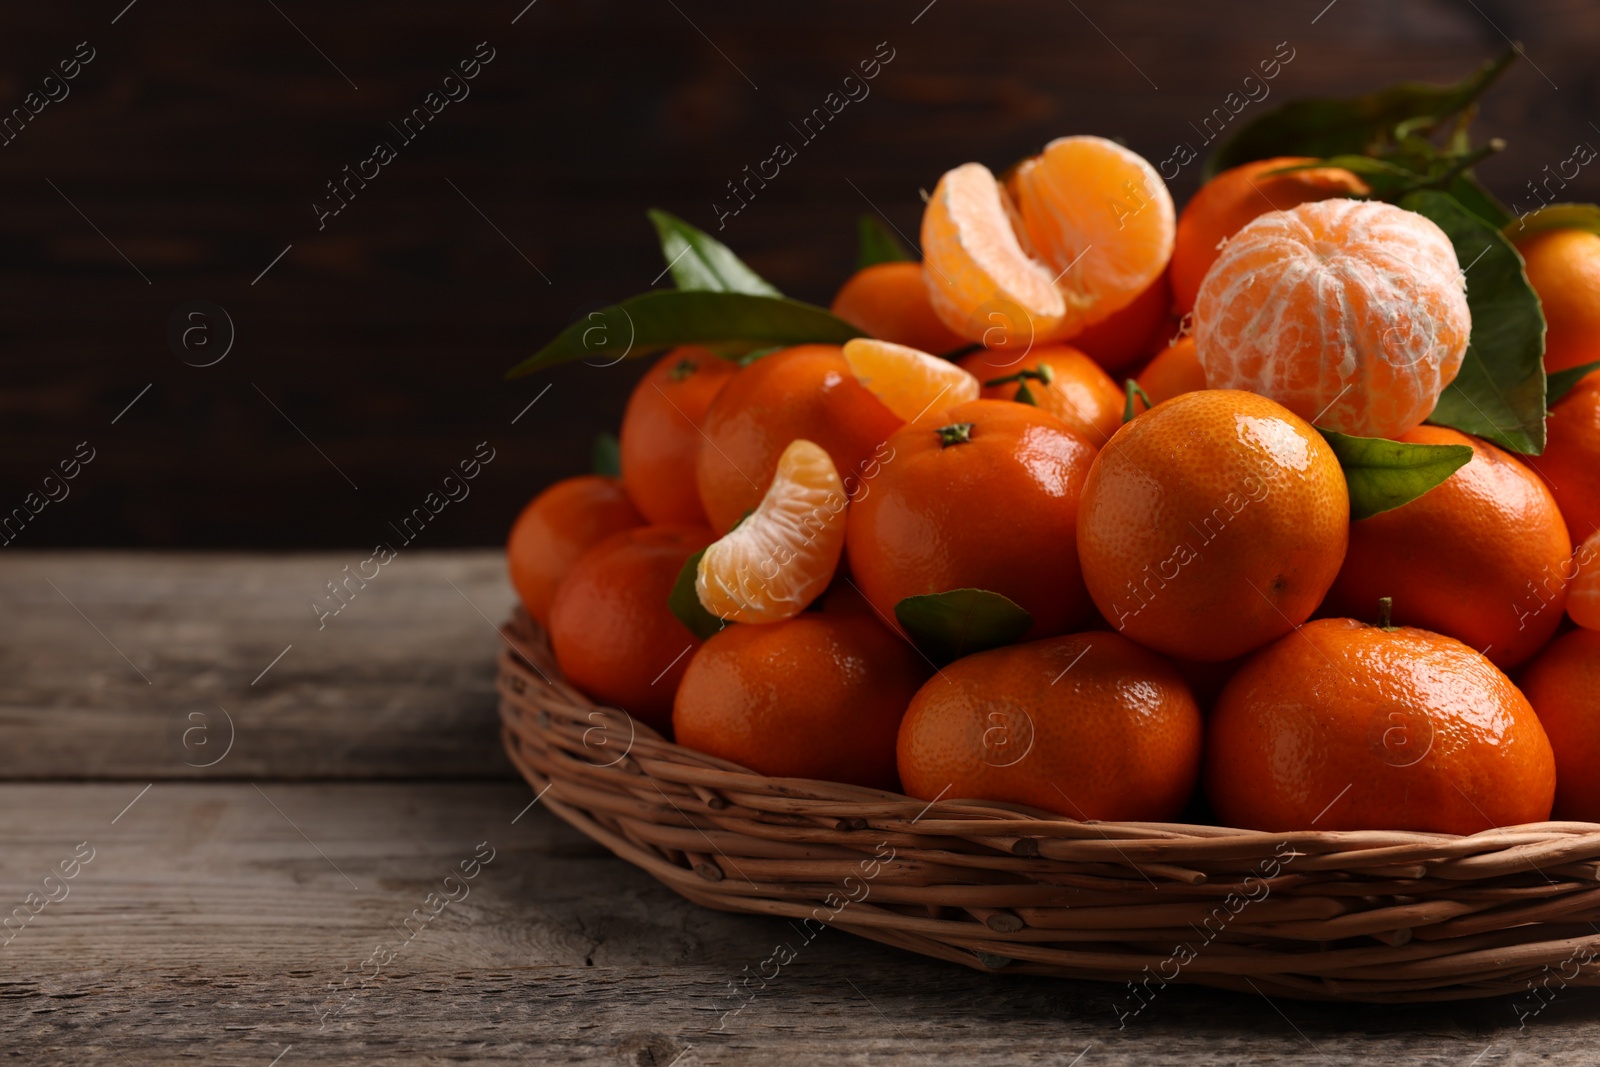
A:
[(1555, 217), (606, 457), (685, 602), (876, 244), (1355, 125), (947, 626), (1385, 474), (698, 260), (665, 317), (1561, 382), (1499, 394)]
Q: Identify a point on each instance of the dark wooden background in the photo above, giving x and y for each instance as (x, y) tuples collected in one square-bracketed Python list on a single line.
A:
[(198, 138)]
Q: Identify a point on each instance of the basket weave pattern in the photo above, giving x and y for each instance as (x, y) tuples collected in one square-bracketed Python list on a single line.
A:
[(1373, 915)]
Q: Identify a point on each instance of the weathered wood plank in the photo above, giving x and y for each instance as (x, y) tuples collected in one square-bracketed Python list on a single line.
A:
[(207, 928), (131, 665)]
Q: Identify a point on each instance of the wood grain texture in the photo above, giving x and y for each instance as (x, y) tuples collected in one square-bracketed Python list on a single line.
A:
[(199, 137), (207, 929), (129, 665)]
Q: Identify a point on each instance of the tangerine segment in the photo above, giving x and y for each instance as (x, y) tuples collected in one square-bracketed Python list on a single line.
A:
[(1100, 217), (980, 278), (1345, 726), (1211, 524), (1350, 313), (1089, 725), (1583, 595), (780, 559), (908, 381)]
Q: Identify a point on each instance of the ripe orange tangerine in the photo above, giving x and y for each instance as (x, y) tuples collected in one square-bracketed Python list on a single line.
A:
[(818, 696), (1088, 725), (1226, 203), (660, 435), (781, 558), (805, 392), (1175, 370), (1563, 685), (1077, 234), (1350, 313), (1212, 524), (1346, 726), (1570, 463), (1127, 336), (557, 527), (890, 302), (907, 380), (1583, 595), (982, 495), (1564, 268), (1060, 379)]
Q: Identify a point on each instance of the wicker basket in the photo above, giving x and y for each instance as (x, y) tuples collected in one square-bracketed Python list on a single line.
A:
[(1375, 916)]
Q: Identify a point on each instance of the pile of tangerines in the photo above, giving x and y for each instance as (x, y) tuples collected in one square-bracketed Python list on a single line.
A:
[(952, 556)]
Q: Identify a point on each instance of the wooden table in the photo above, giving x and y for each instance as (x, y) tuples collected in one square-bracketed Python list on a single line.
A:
[(274, 907)]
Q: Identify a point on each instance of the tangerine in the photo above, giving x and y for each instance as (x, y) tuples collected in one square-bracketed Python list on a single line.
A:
[(1129, 335), (889, 301), (805, 392), (1482, 557), (613, 635), (1583, 595), (1175, 370), (1088, 725), (1350, 313), (1564, 268), (1563, 685), (981, 495), (557, 527), (1570, 462), (1345, 726), (660, 435), (1059, 379), (1212, 524), (818, 696), (1226, 203)]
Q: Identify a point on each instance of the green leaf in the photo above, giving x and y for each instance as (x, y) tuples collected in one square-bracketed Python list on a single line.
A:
[(665, 317), (1355, 125), (1555, 217), (606, 457), (876, 244), (1561, 382), (1470, 194), (947, 626), (685, 602), (1499, 394), (698, 260), (1385, 474)]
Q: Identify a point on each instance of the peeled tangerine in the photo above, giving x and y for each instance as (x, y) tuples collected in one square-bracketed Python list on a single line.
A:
[(1350, 313), (780, 558), (1077, 234)]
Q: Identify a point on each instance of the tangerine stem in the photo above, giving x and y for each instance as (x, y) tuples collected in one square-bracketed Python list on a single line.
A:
[(1042, 373), (1386, 613), (957, 433), (1131, 388)]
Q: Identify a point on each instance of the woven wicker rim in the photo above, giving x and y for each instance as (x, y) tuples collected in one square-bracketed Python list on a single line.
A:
[(1381, 916)]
